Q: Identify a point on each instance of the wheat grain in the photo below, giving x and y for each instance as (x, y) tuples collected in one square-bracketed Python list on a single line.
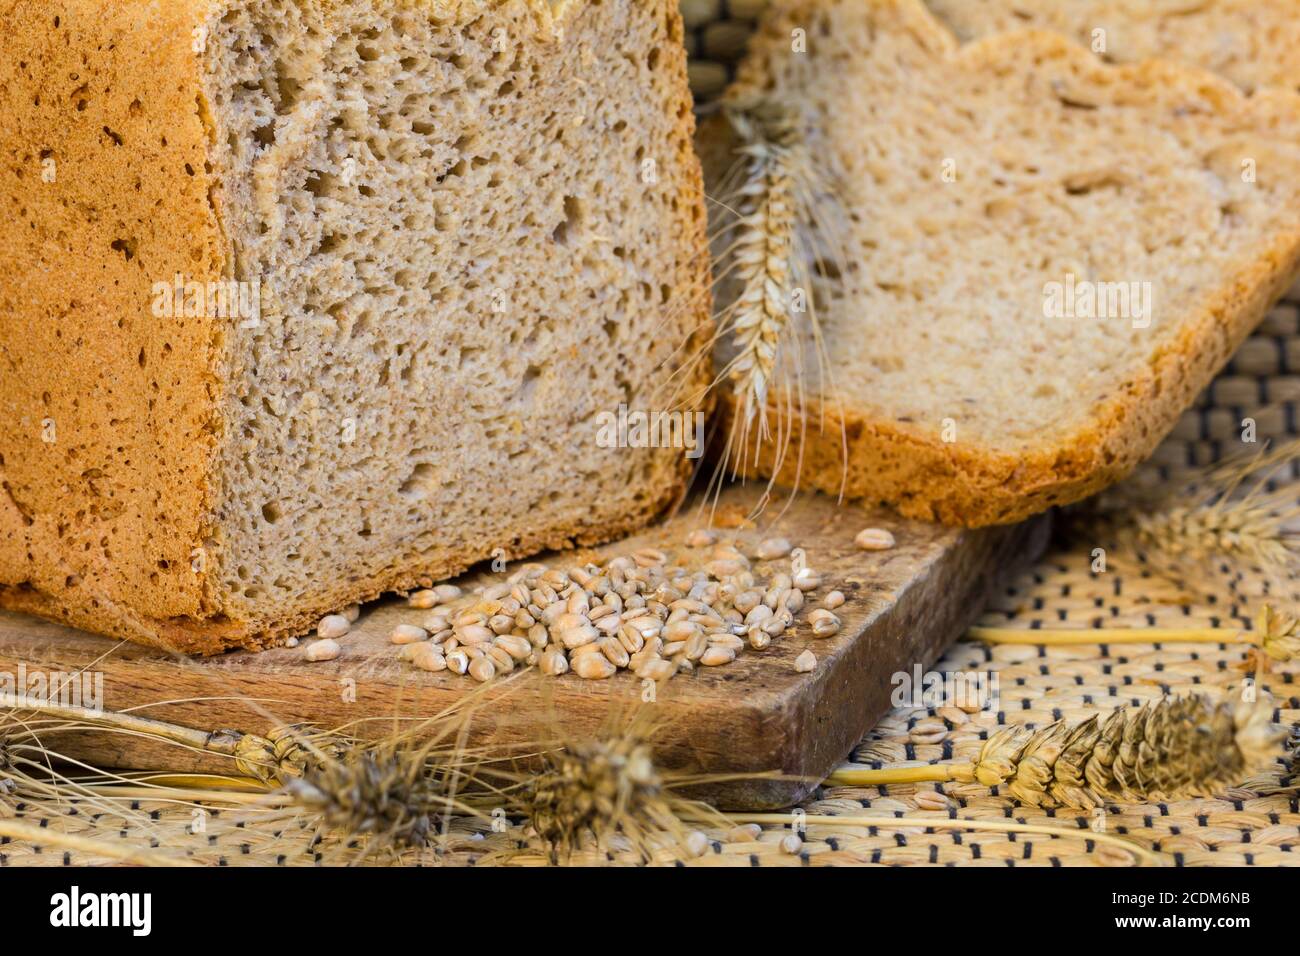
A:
[(874, 539), (319, 651), (408, 634), (333, 626), (773, 548), (696, 844), (824, 623), (745, 833), (638, 611), (806, 579), (716, 656), (701, 538), (427, 657), (593, 666)]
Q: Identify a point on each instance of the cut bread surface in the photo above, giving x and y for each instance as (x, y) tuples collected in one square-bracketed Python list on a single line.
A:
[(470, 229), (1251, 42), (1047, 256)]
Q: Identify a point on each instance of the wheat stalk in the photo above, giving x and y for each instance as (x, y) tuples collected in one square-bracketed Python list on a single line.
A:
[(34, 777), (282, 755), (1276, 635), (28, 767), (368, 797), (1179, 746)]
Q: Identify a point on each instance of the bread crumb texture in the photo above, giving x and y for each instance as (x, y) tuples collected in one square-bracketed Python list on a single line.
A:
[(987, 190), (307, 301), (1251, 42)]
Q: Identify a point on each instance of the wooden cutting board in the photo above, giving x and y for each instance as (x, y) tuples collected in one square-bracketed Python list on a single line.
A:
[(904, 607)]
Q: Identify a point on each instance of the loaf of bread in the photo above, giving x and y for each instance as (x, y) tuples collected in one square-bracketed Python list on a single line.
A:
[(1251, 42), (1039, 259), (306, 301)]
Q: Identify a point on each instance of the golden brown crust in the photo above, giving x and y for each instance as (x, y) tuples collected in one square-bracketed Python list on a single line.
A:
[(921, 476), (99, 528), (107, 188)]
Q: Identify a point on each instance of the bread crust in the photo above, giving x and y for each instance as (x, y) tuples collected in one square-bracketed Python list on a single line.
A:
[(105, 536), (913, 470), (106, 508)]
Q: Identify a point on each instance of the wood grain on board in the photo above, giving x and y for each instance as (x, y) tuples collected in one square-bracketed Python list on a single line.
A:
[(757, 715)]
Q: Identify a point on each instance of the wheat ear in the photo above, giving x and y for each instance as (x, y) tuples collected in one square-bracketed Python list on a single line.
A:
[(763, 258), (1179, 746), (604, 790), (777, 203), (1226, 513)]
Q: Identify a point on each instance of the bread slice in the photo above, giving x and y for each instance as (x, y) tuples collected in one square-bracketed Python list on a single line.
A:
[(1251, 42), (982, 189), (423, 247)]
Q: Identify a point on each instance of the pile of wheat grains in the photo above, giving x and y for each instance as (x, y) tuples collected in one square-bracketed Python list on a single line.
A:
[(647, 611)]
